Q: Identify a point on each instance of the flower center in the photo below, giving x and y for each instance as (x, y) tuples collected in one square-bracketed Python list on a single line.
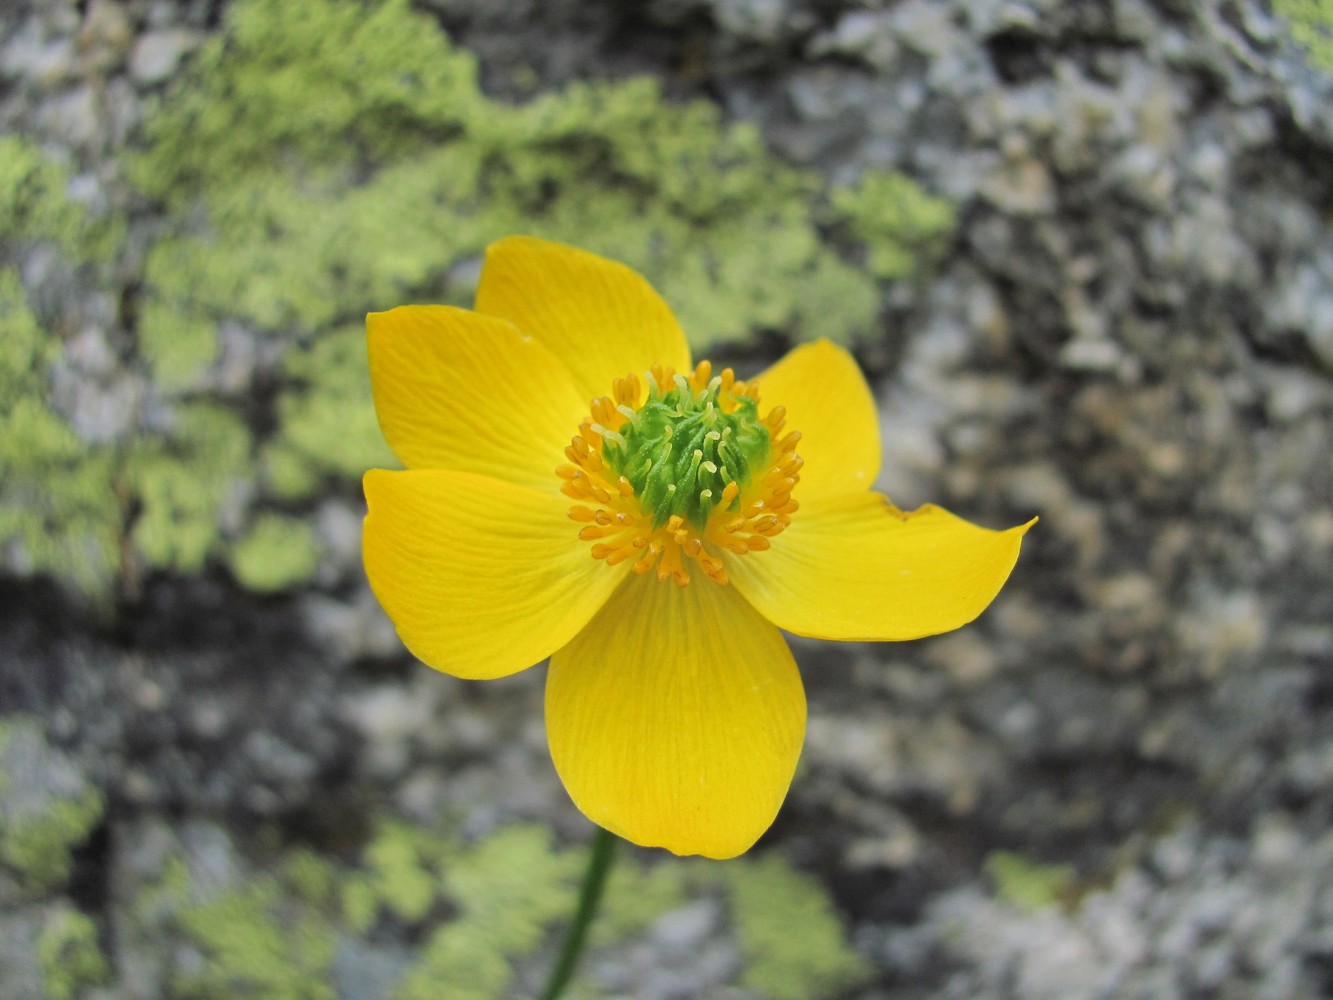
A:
[(673, 468)]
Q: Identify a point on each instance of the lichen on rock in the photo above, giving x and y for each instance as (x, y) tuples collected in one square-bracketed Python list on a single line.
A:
[(68, 954), (59, 512), (1311, 25), (483, 915), (322, 160), (47, 808)]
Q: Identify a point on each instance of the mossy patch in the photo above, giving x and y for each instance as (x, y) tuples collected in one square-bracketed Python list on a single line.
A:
[(38, 847), (254, 943), (328, 426), (1311, 24), (36, 207), (58, 507), (1026, 884), (793, 943), (68, 954), (484, 918), (900, 225), (275, 553), (323, 159), (508, 890), (47, 808), (399, 878), (183, 480), (346, 159)]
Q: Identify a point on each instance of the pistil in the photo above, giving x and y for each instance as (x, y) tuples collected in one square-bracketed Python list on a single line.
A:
[(673, 468)]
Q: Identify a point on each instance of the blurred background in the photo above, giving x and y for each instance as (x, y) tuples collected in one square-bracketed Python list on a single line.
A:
[(1082, 250)]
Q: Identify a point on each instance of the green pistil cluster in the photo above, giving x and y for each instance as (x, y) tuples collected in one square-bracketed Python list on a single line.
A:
[(680, 449)]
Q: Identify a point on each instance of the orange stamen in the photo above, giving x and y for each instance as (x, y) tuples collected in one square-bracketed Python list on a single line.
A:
[(744, 519)]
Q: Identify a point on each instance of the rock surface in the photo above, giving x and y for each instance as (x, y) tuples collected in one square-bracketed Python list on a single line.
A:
[(1130, 334)]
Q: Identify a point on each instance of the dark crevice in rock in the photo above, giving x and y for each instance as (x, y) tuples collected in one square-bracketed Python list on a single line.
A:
[(1020, 56)]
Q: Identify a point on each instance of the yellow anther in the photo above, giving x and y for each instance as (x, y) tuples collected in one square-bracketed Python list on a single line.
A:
[(745, 516)]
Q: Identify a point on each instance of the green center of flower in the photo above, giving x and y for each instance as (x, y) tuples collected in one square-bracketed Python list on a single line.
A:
[(683, 447)]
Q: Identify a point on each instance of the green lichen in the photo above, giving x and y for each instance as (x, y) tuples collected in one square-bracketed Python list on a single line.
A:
[(635, 896), (58, 509), (900, 225), (47, 808), (179, 345), (35, 206), (277, 552), (326, 158), (255, 943), (59, 513), (1311, 24), (508, 890), (329, 427), (793, 944), (37, 847), (68, 955), (384, 165), (399, 878), (182, 481), (313, 878), (1027, 884), (485, 917), (502, 897)]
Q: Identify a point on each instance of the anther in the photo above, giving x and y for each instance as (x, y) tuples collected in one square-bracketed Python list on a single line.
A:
[(682, 469)]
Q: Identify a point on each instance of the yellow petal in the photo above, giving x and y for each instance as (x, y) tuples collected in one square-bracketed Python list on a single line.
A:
[(600, 318), (828, 401), (482, 577), (458, 390), (676, 717), (857, 568)]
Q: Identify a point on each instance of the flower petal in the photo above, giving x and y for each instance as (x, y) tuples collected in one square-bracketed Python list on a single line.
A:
[(858, 568), (600, 318), (676, 717), (828, 401), (482, 577), (458, 390)]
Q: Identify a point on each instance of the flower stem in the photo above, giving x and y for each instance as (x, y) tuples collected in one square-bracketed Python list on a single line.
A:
[(590, 894)]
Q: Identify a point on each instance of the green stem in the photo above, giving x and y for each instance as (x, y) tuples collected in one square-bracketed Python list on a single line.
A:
[(590, 894)]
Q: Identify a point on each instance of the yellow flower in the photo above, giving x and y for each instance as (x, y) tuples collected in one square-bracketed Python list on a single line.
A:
[(576, 488)]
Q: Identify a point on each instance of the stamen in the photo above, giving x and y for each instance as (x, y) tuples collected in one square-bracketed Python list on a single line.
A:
[(680, 467)]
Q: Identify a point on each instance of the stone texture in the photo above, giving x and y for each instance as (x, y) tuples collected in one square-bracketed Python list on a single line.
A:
[(1131, 337)]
